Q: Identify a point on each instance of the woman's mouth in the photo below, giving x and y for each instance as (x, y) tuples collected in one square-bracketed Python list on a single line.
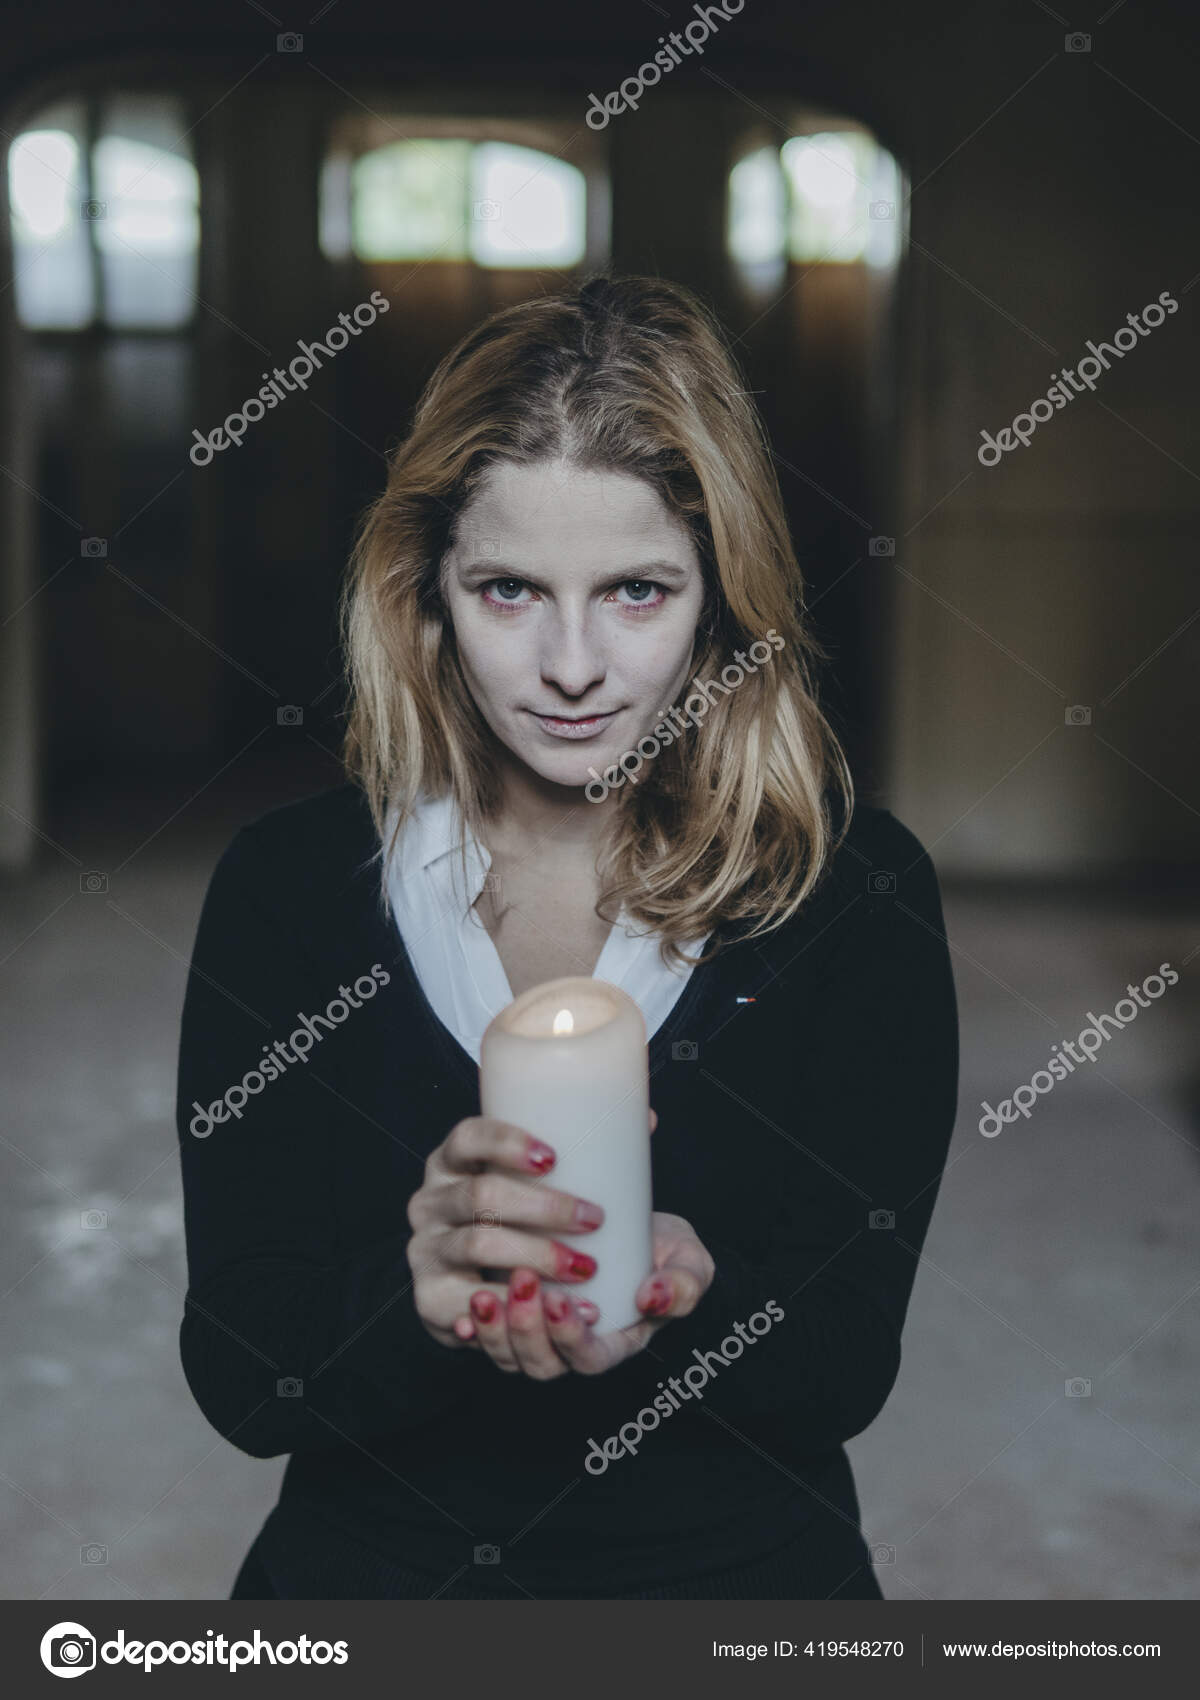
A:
[(584, 727)]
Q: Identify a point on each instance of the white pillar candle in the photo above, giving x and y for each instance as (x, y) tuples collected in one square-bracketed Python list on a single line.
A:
[(567, 1062)]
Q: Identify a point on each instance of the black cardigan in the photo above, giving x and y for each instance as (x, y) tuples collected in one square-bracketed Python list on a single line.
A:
[(805, 1085)]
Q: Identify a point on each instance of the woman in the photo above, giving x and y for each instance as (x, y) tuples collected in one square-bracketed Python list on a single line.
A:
[(583, 739)]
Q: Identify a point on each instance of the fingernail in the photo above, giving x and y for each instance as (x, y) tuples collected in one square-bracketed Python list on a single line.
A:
[(573, 1265), (464, 1328), (523, 1286), (659, 1299), (483, 1306), (588, 1215), (587, 1310), (555, 1305), (539, 1156)]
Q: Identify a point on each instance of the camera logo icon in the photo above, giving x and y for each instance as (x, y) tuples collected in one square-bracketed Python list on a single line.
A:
[(289, 1387), (97, 547), (1077, 43), (487, 209), (93, 209), (1079, 1387), (289, 715), (93, 1218), (487, 546), (882, 209), (487, 1554), (684, 1050), (487, 1219), (92, 1554), (289, 43), (881, 1219), (882, 546), (1077, 715), (881, 1554), (880, 882), (93, 883), (68, 1649)]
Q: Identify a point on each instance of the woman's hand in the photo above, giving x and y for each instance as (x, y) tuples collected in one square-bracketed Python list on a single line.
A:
[(479, 1208), (544, 1334)]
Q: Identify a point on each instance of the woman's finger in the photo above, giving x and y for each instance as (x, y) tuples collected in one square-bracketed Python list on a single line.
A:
[(500, 1200), (477, 1140), (491, 1245), (568, 1324), (491, 1330), (671, 1291), (464, 1327), (527, 1332)]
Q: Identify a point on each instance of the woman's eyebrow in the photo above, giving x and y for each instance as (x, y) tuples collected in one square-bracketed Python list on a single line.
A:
[(496, 566)]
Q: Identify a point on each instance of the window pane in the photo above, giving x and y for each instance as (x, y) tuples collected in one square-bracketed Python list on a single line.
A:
[(409, 201), (494, 203), (47, 188), (756, 230), (149, 235), (528, 208), (845, 194)]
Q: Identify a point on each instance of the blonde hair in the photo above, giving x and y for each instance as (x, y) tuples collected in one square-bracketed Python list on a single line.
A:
[(732, 823)]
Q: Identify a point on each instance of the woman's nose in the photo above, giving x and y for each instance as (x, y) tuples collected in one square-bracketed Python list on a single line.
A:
[(572, 659)]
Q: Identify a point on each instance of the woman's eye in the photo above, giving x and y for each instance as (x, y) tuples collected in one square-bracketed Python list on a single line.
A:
[(504, 592), (644, 593)]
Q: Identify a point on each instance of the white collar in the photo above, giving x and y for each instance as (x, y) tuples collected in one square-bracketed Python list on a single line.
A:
[(453, 955)]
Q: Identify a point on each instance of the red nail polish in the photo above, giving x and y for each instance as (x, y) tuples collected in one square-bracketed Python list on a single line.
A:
[(523, 1287), (573, 1265), (540, 1156), (483, 1306), (659, 1300), (556, 1306)]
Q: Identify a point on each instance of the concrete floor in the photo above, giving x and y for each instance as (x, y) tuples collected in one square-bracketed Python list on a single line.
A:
[(1066, 1247)]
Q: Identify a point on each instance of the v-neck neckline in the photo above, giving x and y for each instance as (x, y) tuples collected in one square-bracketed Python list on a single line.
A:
[(465, 1064), (501, 972)]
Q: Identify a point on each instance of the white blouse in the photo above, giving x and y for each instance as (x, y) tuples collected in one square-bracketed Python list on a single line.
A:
[(455, 960)]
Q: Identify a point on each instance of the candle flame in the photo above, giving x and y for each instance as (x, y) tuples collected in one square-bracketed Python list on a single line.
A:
[(564, 1022)]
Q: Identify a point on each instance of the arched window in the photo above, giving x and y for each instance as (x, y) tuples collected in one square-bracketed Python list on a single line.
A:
[(105, 231), (828, 196), (447, 198)]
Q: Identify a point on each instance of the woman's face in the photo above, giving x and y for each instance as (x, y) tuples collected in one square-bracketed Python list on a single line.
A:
[(574, 597)]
